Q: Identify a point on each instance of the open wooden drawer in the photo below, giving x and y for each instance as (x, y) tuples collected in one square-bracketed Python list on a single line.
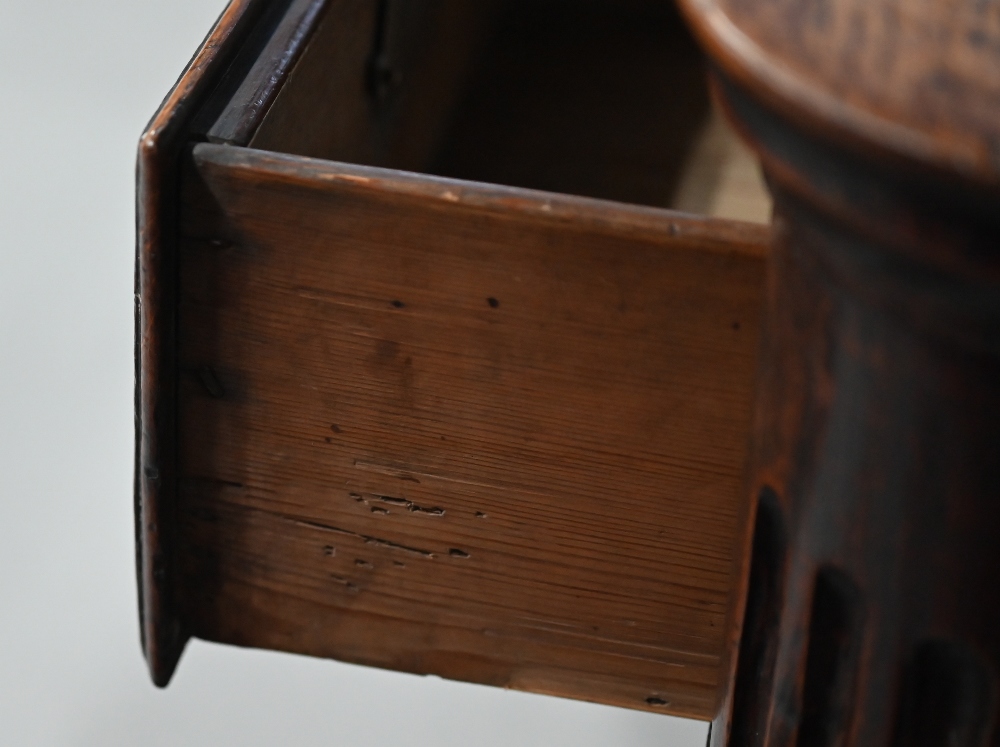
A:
[(392, 413)]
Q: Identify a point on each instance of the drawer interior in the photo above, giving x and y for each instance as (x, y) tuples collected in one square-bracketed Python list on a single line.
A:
[(599, 98)]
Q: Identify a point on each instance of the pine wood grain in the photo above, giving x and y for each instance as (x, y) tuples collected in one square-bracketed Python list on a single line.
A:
[(487, 433)]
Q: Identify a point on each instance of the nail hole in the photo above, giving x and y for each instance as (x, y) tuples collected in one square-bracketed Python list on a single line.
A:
[(492, 302)]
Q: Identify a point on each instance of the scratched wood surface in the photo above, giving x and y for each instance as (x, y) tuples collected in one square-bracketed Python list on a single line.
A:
[(491, 434)]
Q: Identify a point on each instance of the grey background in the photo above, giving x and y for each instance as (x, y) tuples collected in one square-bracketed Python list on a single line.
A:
[(79, 80)]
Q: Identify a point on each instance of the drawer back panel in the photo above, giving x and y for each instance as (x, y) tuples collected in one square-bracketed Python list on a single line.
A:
[(598, 98)]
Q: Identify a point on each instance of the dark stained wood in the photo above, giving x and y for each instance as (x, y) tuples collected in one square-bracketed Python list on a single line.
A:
[(163, 633), (872, 603), (496, 434), (209, 85), (592, 99), (284, 35), (330, 108), (486, 433), (428, 424), (601, 99), (918, 80)]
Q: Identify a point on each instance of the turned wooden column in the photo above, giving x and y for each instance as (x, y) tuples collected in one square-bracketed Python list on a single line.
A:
[(872, 611)]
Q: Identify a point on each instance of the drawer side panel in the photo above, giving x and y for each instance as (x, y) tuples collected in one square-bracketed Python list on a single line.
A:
[(484, 433)]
